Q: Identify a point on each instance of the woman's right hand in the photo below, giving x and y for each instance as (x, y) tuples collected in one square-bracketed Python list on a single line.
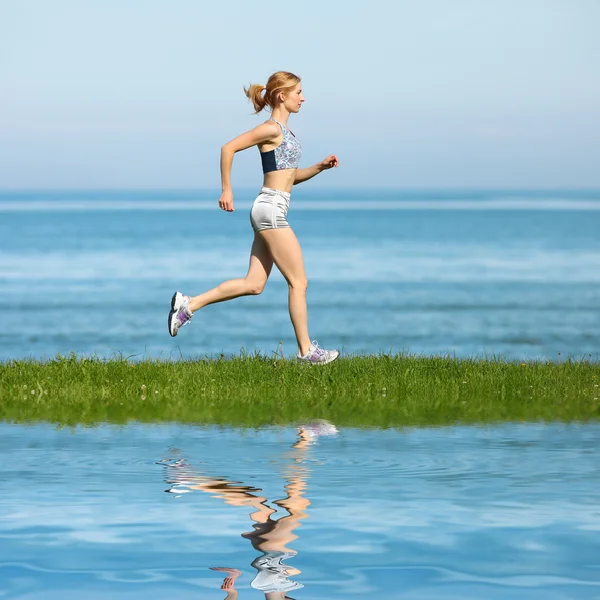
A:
[(226, 201)]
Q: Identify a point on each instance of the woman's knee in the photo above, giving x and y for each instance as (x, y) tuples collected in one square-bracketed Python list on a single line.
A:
[(255, 287), (299, 284)]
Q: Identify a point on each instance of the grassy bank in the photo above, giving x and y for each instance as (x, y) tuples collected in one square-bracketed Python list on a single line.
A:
[(356, 391)]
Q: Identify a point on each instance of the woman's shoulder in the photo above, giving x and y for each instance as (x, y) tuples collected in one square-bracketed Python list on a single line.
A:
[(271, 124), (270, 128)]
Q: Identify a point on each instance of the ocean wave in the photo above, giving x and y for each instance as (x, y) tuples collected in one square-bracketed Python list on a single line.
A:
[(368, 263)]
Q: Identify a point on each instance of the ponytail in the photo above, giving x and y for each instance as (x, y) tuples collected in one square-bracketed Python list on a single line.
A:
[(254, 93), (282, 81)]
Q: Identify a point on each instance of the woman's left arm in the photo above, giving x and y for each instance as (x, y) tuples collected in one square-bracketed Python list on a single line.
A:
[(308, 173)]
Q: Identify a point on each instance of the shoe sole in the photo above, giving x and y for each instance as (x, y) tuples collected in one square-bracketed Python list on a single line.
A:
[(172, 313), (331, 360), (325, 362)]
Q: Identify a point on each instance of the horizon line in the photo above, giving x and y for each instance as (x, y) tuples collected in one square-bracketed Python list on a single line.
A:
[(356, 188)]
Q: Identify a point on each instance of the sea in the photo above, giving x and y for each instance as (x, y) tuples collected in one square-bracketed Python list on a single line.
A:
[(154, 511), (310, 509), (513, 274)]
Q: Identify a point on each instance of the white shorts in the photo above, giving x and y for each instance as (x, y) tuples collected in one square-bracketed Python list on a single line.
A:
[(269, 210)]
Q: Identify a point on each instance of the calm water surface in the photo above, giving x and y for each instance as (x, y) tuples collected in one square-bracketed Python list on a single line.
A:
[(146, 512), (515, 274)]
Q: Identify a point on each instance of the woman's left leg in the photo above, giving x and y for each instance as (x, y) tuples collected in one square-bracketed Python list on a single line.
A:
[(261, 263)]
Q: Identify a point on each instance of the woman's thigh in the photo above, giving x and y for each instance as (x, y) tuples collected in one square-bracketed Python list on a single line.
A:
[(287, 254), (261, 261)]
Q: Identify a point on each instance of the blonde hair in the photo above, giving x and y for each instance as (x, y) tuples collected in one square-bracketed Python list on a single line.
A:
[(282, 81)]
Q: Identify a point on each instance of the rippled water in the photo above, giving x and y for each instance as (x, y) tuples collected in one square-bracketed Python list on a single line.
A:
[(142, 511), (466, 273)]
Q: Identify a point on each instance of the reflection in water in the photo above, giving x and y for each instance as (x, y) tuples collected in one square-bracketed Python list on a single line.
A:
[(269, 536), (229, 581)]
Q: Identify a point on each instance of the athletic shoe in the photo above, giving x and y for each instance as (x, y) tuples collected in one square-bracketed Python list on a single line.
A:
[(318, 356), (272, 573), (318, 427), (180, 313)]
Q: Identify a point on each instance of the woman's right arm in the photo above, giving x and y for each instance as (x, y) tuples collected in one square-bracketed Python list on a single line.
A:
[(259, 135)]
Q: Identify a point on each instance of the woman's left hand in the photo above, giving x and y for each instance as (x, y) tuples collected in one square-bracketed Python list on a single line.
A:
[(330, 162)]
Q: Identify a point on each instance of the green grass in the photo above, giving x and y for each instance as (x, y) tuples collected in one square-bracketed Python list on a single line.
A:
[(382, 391)]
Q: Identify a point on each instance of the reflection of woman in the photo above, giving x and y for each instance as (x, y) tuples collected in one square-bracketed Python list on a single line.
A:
[(229, 581), (270, 537)]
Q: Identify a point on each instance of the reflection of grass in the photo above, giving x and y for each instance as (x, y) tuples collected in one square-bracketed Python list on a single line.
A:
[(359, 391)]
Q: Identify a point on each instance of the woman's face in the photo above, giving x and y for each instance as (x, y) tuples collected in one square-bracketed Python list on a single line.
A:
[(293, 100)]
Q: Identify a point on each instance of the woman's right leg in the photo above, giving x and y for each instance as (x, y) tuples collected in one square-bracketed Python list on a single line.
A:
[(261, 263), (287, 254)]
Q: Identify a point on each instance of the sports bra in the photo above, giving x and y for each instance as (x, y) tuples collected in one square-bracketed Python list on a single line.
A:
[(285, 156)]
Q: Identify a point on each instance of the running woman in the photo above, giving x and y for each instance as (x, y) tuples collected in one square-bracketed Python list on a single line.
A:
[(274, 240)]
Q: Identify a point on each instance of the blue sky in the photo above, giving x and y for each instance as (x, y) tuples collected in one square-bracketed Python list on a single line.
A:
[(409, 94)]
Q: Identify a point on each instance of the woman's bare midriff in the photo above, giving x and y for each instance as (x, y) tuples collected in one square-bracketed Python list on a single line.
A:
[(282, 180)]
